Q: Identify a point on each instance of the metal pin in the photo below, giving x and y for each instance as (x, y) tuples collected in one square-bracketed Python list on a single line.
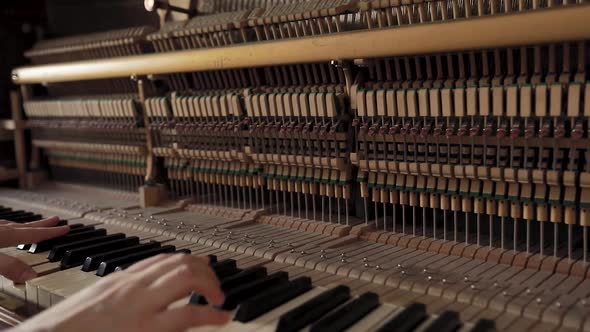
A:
[(502, 233), (313, 206), (541, 238), (585, 242), (445, 224), (306, 208), (491, 225), (228, 194), (528, 236), (277, 202), (385, 217), (569, 241), (330, 209), (366, 211), (338, 208), (414, 220), (434, 224), (231, 196), (284, 203), (555, 239), (515, 235), (270, 197), (323, 209), (393, 218), (376, 214), (466, 227), (455, 225), (299, 205), (403, 219), (239, 197), (478, 229), (424, 223), (346, 207)]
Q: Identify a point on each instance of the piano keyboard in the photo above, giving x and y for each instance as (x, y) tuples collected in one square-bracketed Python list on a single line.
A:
[(251, 248)]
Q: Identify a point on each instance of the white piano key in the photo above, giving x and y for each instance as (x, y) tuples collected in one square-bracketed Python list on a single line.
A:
[(375, 319)]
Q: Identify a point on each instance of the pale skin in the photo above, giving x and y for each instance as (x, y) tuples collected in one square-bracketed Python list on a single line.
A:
[(137, 299)]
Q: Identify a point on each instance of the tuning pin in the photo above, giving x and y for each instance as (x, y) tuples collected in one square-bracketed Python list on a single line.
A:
[(151, 5)]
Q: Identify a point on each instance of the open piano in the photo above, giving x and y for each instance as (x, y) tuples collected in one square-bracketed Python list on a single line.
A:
[(349, 165)]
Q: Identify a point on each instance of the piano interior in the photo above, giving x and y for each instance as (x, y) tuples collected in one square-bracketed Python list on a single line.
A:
[(352, 165)]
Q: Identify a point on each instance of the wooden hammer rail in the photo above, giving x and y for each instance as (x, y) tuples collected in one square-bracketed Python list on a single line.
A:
[(92, 147), (568, 23)]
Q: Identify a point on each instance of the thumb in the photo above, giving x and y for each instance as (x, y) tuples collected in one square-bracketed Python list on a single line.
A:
[(15, 269)]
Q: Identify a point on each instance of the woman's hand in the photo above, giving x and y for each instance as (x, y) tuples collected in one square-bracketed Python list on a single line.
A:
[(138, 299), (13, 234)]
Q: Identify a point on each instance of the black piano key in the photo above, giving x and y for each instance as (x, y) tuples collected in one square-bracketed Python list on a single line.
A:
[(225, 268), (448, 321), (310, 311), (484, 325), (125, 266), (4, 210), (25, 219), (23, 246), (271, 298), (92, 262), (233, 281), (407, 320), (27, 246), (109, 266), (11, 211), (68, 238), (243, 277), (79, 229), (15, 214), (348, 314), (239, 294), (58, 251), (76, 257)]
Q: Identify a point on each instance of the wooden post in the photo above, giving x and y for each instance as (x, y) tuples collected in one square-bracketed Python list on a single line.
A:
[(20, 148), (150, 194), (34, 176)]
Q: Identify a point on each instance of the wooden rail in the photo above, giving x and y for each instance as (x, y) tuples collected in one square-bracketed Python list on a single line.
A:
[(570, 23)]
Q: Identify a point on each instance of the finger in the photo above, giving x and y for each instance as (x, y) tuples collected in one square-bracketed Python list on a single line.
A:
[(15, 269), (180, 282), (48, 222), (183, 318), (13, 236), (5, 222), (146, 263)]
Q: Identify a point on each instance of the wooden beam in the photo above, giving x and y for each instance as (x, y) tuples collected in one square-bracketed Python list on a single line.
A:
[(20, 145), (559, 24)]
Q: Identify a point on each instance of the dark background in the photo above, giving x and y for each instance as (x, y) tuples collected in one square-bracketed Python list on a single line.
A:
[(22, 22)]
